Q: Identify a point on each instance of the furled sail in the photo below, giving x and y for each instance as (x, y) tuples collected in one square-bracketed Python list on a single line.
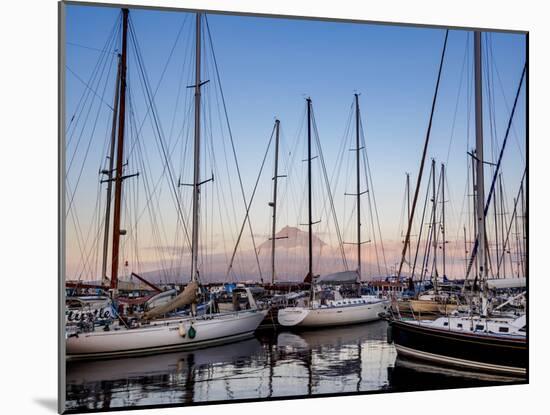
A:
[(186, 297)]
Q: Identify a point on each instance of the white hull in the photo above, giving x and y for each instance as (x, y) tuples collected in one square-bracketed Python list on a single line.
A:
[(331, 316), (165, 335)]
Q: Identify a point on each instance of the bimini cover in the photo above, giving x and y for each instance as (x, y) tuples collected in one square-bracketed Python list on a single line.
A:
[(505, 283), (343, 277)]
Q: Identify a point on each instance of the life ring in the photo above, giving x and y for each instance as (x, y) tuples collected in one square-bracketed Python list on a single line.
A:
[(192, 332), (182, 330)]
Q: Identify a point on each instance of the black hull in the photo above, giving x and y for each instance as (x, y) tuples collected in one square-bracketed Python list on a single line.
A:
[(472, 351)]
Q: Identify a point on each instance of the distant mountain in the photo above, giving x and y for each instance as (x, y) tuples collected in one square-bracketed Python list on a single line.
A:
[(291, 261), (291, 237)]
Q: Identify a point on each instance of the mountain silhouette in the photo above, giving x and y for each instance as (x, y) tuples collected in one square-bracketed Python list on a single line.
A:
[(291, 237)]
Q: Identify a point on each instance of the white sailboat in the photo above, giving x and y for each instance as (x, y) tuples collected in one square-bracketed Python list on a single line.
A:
[(335, 311), (165, 335), (150, 334)]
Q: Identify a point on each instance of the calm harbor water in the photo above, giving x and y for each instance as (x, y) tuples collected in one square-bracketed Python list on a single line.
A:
[(316, 362)]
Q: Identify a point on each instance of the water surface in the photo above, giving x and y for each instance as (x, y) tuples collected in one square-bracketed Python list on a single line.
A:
[(339, 360)]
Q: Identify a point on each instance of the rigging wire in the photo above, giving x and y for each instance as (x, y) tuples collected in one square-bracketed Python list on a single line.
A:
[(250, 204), (421, 227), (413, 207), (497, 168), (516, 200), (158, 128), (114, 34), (88, 147), (83, 82), (368, 175), (231, 137), (329, 192)]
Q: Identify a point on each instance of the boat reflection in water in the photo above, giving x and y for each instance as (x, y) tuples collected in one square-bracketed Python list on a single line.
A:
[(413, 375), (170, 378), (339, 360), (315, 362)]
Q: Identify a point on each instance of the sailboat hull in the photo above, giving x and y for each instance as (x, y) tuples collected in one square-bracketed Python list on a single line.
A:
[(331, 316), (165, 335), (481, 352)]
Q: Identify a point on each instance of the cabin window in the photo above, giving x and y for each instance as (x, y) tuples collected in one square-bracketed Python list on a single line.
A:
[(503, 329), (459, 326), (480, 327), (446, 323)]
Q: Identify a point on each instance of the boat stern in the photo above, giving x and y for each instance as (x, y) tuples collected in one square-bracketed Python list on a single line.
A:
[(292, 316)]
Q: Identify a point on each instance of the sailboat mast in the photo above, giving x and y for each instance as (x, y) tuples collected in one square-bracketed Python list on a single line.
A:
[(502, 225), (465, 251), (120, 155), (474, 207), (274, 204), (480, 178), (310, 216), (524, 231), (497, 238), (519, 264), (197, 154), (444, 242), (434, 209), (408, 216), (358, 183), (109, 173)]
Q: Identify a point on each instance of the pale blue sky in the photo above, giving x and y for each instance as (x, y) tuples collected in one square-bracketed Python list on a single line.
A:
[(269, 65)]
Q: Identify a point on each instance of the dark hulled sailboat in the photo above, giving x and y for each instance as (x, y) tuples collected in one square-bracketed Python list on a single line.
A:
[(477, 341)]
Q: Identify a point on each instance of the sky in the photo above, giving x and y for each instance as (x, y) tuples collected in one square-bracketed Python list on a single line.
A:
[(267, 67)]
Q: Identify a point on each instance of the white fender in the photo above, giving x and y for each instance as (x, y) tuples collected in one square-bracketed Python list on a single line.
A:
[(182, 330)]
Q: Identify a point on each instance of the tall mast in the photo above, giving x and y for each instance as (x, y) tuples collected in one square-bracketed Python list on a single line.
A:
[(274, 203), (109, 174), (502, 225), (480, 177), (465, 251), (309, 200), (476, 260), (444, 242), (197, 154), (519, 263), (434, 206), (524, 232), (497, 241), (408, 216), (358, 183), (120, 155)]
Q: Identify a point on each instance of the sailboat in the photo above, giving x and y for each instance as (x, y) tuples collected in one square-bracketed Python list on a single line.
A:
[(480, 340), (154, 333), (435, 301), (336, 311)]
